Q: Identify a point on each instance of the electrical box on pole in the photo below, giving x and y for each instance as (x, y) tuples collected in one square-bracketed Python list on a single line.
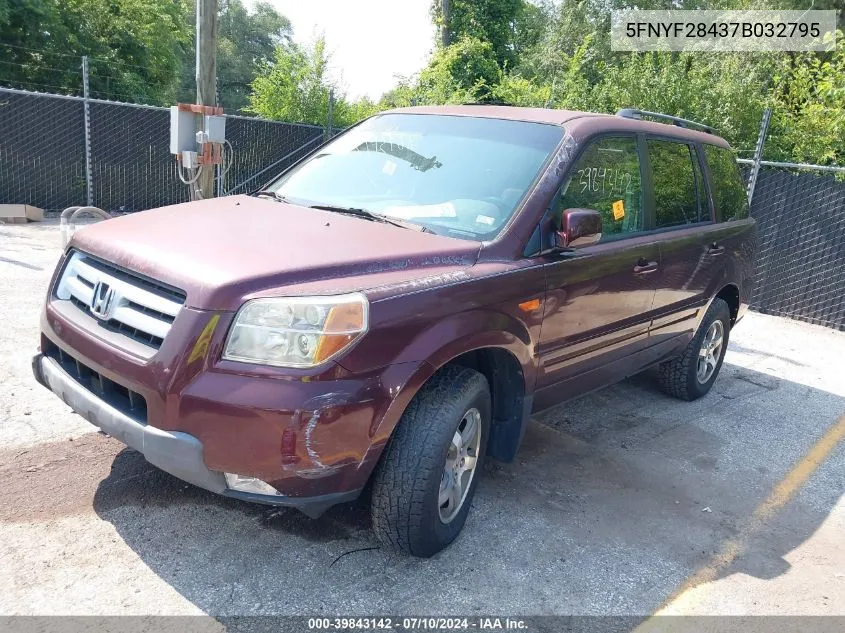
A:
[(214, 128), (200, 151), (198, 131), (183, 127)]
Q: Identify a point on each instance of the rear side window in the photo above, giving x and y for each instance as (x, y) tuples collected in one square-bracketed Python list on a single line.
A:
[(606, 178), (677, 198), (726, 182)]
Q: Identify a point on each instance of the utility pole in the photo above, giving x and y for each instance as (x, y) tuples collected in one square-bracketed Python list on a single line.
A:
[(206, 75), (445, 39)]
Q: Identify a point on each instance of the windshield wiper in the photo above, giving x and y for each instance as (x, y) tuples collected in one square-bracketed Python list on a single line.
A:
[(270, 194), (373, 217), (361, 213)]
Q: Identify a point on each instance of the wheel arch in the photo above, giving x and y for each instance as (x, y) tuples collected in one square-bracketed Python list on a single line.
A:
[(511, 405), (509, 374), (730, 295)]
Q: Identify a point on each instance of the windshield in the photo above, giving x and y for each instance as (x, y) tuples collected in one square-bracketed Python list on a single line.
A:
[(457, 176)]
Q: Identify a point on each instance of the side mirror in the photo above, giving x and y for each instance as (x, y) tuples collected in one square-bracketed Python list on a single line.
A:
[(578, 227)]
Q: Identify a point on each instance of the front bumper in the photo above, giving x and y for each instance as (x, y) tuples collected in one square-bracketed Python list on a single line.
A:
[(175, 452)]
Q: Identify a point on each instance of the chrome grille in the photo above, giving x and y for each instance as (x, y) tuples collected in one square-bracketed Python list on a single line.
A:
[(119, 300)]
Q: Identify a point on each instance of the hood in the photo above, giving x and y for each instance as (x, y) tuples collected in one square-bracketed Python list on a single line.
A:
[(221, 250)]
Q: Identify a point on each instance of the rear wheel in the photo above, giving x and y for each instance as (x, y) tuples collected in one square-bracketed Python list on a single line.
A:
[(423, 487), (693, 373)]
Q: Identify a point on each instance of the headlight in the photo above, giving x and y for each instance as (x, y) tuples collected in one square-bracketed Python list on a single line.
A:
[(296, 331)]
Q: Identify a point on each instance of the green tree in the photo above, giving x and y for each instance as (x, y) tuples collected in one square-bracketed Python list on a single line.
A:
[(30, 57), (552, 54), (134, 46), (808, 106), (464, 72), (293, 85), (516, 90), (245, 40), (493, 21), (574, 62), (529, 26), (404, 95), (726, 91), (348, 113)]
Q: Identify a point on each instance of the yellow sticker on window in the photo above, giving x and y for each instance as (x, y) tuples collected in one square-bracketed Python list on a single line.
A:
[(618, 210)]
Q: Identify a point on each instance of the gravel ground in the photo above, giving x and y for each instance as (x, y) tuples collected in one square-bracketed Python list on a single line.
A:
[(615, 502)]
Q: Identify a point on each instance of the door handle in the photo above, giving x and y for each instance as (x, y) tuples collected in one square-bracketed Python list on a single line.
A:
[(715, 249), (643, 267)]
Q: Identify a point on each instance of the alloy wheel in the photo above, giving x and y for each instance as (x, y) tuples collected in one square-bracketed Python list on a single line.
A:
[(710, 352), (459, 470)]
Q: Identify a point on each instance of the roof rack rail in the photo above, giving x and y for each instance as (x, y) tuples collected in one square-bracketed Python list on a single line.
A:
[(630, 113), (491, 102)]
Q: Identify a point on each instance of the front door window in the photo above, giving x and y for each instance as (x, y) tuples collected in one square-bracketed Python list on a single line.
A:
[(606, 178)]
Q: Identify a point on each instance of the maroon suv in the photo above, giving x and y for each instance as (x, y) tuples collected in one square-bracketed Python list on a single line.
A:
[(393, 308)]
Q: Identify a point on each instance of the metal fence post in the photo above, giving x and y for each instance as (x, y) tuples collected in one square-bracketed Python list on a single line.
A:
[(330, 117), (89, 179), (758, 153), (218, 169)]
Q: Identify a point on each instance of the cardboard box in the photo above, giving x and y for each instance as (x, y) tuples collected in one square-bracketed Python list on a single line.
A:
[(19, 213)]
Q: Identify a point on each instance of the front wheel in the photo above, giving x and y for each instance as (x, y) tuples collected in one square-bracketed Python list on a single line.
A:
[(693, 373), (423, 487)]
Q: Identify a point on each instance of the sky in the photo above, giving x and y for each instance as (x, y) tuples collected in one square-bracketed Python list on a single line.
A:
[(370, 41)]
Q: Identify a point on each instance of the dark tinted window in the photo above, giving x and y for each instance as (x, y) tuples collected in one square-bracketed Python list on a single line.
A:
[(607, 178), (675, 188), (726, 183)]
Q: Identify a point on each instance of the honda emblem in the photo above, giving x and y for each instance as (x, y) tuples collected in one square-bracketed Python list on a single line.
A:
[(101, 301)]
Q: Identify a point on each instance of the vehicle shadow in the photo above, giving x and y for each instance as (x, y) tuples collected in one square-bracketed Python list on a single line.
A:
[(133, 482), (613, 501)]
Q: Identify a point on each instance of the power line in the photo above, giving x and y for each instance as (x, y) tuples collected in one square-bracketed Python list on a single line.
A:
[(26, 83), (70, 55), (37, 67), (107, 95), (75, 73)]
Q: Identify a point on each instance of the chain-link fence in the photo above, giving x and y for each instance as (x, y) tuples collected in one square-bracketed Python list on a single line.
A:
[(800, 209), (265, 148), (43, 153), (131, 165), (800, 213), (42, 150)]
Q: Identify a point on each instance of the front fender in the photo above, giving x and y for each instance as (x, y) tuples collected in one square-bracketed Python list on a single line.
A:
[(473, 330), (498, 306), (436, 341), (435, 346)]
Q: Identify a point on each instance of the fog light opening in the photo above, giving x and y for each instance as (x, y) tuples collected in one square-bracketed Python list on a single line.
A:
[(242, 483)]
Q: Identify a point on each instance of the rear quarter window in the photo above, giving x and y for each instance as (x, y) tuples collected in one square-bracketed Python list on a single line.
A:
[(726, 183)]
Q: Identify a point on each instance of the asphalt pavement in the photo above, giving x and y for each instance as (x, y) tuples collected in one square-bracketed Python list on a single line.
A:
[(624, 502)]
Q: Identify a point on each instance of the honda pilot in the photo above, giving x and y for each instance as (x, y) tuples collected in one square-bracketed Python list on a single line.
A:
[(389, 312)]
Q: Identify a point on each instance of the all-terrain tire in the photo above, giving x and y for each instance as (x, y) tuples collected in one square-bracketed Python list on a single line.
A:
[(405, 505), (679, 376)]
